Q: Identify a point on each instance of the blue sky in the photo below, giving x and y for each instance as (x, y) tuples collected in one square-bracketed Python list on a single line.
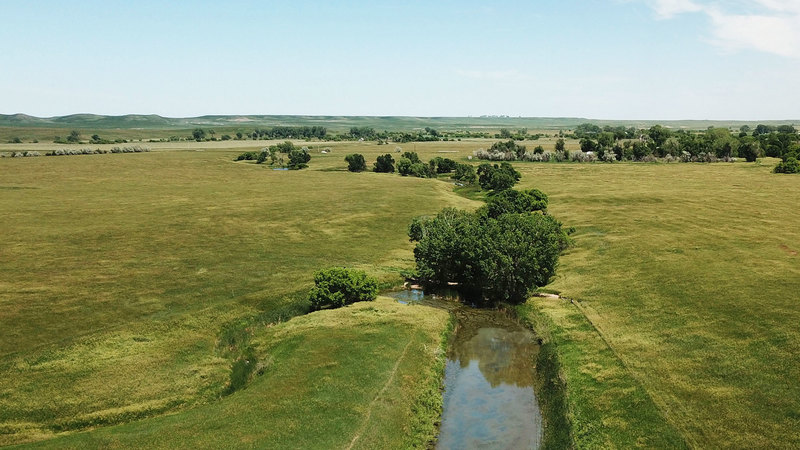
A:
[(605, 59)]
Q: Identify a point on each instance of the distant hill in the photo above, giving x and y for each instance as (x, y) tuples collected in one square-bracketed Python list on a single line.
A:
[(338, 123)]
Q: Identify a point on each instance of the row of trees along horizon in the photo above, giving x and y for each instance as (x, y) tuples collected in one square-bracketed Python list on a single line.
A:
[(772, 139)]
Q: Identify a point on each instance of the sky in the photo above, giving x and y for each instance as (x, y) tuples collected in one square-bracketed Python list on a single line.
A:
[(600, 59)]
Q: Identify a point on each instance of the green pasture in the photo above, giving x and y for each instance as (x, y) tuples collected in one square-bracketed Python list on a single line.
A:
[(120, 272), (689, 274)]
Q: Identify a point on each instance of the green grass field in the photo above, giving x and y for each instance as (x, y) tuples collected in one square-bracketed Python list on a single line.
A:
[(120, 271)]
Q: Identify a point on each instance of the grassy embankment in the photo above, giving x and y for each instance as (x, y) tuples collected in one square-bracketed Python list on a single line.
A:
[(121, 271)]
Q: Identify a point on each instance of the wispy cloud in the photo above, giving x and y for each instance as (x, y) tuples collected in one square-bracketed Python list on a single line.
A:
[(771, 26)]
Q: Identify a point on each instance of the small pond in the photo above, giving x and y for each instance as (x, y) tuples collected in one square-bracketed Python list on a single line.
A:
[(489, 401)]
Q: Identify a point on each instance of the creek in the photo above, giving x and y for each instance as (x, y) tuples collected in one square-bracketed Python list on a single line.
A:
[(489, 398)]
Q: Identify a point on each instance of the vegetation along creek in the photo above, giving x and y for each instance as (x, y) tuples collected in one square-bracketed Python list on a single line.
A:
[(489, 398)]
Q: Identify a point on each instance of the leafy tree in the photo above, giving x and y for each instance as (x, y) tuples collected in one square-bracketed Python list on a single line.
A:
[(444, 165), (74, 137), (465, 173), (748, 151), (505, 133), (587, 130), (497, 177), (412, 156), (658, 136), (492, 259), (199, 134), (509, 146), (356, 162), (560, 145), (298, 159), (511, 201), (284, 147), (588, 145), (404, 166), (789, 166), (339, 286), (384, 164)]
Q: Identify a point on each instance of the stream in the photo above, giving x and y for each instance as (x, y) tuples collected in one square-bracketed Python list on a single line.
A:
[(489, 401)]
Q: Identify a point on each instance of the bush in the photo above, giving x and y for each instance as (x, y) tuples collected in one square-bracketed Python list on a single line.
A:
[(384, 164), (412, 156), (497, 177), (791, 165), (338, 286), (465, 173), (515, 202), (298, 159), (356, 162)]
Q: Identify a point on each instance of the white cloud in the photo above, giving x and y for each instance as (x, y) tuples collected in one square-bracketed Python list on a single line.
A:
[(669, 8), (771, 26)]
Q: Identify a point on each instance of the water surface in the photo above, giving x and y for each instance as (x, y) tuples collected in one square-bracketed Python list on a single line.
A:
[(489, 400)]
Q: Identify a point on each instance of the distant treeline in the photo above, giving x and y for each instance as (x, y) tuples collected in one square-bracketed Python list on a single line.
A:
[(657, 142)]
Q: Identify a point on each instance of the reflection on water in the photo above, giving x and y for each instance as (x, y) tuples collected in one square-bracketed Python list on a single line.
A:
[(489, 400)]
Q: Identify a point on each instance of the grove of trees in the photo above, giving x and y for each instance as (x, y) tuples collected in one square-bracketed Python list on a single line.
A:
[(496, 254)]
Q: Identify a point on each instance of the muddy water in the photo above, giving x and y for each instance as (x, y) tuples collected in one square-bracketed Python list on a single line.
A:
[(489, 400)]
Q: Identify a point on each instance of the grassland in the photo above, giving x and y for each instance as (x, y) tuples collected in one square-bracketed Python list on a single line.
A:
[(690, 275), (119, 271)]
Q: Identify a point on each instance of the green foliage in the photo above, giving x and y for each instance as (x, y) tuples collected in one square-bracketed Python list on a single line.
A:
[(465, 173), (560, 146), (199, 134), (791, 165), (509, 146), (356, 162), (74, 137), (492, 259), (283, 147), (339, 286), (444, 165), (412, 156), (362, 133), (511, 201), (384, 164), (497, 177), (748, 151), (298, 159)]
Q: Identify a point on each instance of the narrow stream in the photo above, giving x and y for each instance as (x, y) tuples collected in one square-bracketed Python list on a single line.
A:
[(489, 400)]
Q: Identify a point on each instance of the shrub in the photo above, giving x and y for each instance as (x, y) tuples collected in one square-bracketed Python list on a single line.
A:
[(516, 202), (384, 164), (791, 165), (356, 162), (338, 286), (497, 177), (465, 173), (298, 159), (412, 156)]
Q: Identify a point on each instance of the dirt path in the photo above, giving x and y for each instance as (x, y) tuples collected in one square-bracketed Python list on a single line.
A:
[(378, 396)]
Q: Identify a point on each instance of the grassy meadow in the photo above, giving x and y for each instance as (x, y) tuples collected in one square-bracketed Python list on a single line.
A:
[(120, 272), (690, 275)]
